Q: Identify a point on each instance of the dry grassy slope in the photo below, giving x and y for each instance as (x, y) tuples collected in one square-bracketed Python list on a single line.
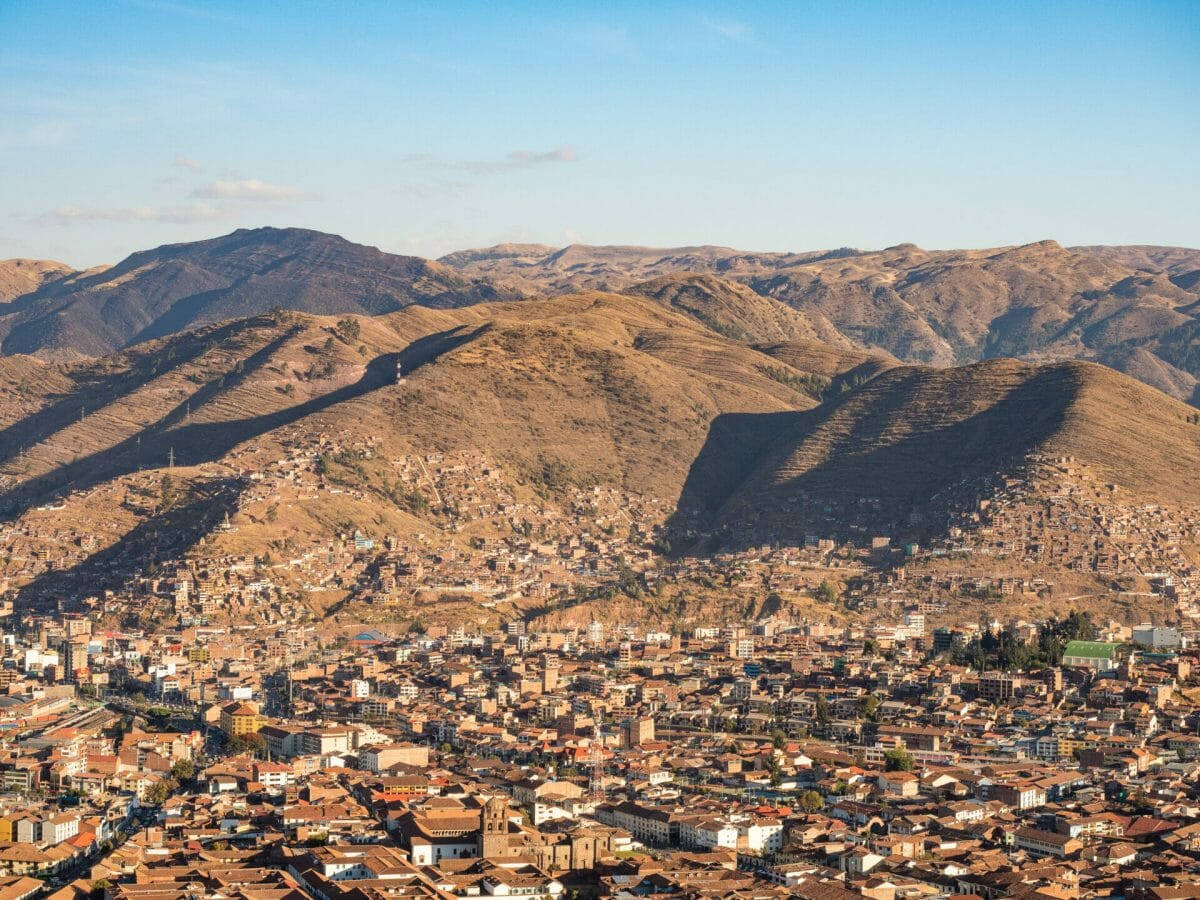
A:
[(20, 276), (89, 408), (180, 286), (914, 434), (945, 307), (1154, 370), (612, 387), (537, 269), (733, 310), (1148, 258), (25, 384), (829, 362), (1039, 301)]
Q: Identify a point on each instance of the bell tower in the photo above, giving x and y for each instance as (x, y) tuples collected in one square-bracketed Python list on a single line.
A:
[(493, 829)]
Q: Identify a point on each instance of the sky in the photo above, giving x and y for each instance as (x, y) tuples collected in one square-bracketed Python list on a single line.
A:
[(427, 127)]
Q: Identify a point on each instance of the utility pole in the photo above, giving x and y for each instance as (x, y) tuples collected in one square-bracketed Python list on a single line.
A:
[(171, 458)]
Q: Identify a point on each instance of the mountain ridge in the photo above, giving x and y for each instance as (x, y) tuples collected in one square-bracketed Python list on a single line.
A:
[(168, 289), (296, 428), (1135, 308)]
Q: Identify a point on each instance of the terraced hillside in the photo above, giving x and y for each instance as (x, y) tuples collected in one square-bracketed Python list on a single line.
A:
[(905, 450), (614, 388)]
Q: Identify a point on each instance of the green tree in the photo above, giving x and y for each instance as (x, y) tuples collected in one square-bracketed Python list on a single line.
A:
[(253, 743), (811, 801), (870, 707), (183, 770), (821, 711), (827, 592), (898, 760), (774, 770), (166, 490), (158, 793)]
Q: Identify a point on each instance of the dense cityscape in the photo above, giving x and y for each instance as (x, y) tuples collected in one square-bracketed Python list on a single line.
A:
[(599, 451), (1004, 758)]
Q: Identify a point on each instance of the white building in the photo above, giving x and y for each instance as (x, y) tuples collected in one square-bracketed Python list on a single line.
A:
[(1157, 637)]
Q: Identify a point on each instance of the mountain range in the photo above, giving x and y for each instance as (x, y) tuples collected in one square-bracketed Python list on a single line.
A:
[(1133, 308), (756, 398), (170, 289)]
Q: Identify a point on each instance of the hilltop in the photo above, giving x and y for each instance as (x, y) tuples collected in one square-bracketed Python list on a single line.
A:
[(176, 287), (23, 276), (734, 311), (1134, 308), (915, 445)]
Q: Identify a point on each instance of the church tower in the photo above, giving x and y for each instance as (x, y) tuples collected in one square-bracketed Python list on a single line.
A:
[(493, 829)]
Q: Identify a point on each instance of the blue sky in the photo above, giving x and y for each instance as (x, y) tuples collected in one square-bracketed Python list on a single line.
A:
[(425, 127)]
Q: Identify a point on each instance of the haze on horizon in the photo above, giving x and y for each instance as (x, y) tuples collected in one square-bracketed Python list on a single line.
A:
[(424, 128)]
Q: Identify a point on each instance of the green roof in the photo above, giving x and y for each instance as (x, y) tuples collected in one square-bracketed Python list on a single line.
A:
[(1090, 649)]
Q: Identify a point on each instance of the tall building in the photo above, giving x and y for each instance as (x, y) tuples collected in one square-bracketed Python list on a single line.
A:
[(493, 829), (641, 730), (997, 687), (240, 718)]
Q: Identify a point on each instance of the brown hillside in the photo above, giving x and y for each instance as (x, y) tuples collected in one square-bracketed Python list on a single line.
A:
[(911, 445), (735, 311), (181, 286), (942, 307), (20, 276), (614, 388)]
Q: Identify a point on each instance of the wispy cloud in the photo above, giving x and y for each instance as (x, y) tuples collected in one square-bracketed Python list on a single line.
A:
[(184, 162), (175, 215), (217, 200), (251, 190), (558, 154), (517, 159), (730, 29)]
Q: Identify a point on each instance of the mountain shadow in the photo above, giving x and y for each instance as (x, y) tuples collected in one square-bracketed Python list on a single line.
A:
[(171, 437), (99, 388), (898, 457), (732, 449), (188, 444), (157, 540)]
